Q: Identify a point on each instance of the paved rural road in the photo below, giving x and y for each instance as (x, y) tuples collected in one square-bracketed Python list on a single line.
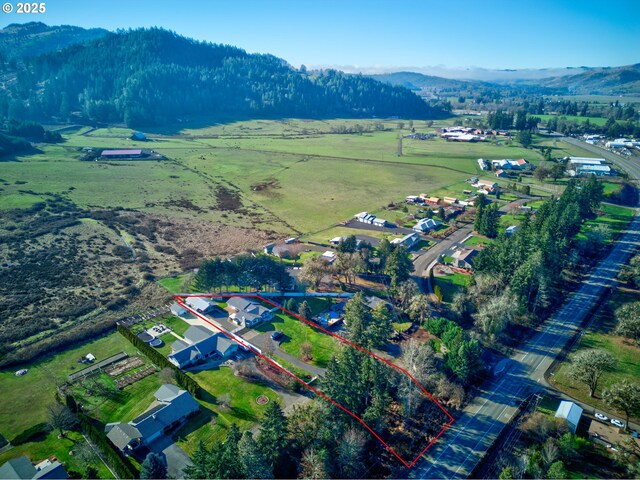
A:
[(461, 448)]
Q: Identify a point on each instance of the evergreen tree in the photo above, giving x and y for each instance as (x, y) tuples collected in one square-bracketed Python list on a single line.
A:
[(153, 467), (272, 439), (254, 464)]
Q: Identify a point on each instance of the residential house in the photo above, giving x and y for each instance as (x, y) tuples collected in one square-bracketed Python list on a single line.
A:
[(201, 304), (178, 310), (328, 256), (201, 344), (512, 229), (501, 173), (338, 240), (484, 164), (172, 406), (22, 468), (407, 241), (372, 302), (450, 200), (268, 248), (571, 413), (247, 313), (379, 222), (464, 258), (413, 199), (426, 224)]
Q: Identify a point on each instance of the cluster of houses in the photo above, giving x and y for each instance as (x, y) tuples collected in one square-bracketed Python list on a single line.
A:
[(171, 408), (469, 134), (484, 187), (365, 217), (583, 166), (500, 167), (200, 344)]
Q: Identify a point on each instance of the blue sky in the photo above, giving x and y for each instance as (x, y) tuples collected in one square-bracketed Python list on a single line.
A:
[(373, 33)]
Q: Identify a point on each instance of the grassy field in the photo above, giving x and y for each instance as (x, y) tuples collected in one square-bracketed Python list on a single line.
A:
[(476, 240), (600, 121), (293, 174), (35, 391), (615, 217), (323, 346), (451, 284), (212, 423), (600, 336)]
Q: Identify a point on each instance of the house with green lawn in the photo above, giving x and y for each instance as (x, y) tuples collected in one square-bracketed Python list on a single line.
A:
[(172, 406)]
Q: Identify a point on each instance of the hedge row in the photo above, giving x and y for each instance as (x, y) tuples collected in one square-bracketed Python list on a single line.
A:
[(183, 380)]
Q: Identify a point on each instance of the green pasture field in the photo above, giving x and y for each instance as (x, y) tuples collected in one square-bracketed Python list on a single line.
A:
[(293, 174), (213, 421), (613, 216), (560, 149), (573, 118), (35, 391)]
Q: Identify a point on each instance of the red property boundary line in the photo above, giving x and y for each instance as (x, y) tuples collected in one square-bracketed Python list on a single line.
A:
[(180, 298)]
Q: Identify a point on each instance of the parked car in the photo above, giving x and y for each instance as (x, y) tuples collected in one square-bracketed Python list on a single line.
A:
[(617, 423), (21, 372), (277, 335), (602, 417)]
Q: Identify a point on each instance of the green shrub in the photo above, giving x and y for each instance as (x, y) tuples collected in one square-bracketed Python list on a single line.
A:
[(32, 434)]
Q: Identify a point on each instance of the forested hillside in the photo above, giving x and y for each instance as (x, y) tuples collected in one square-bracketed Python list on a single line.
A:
[(35, 38), (616, 80), (153, 76)]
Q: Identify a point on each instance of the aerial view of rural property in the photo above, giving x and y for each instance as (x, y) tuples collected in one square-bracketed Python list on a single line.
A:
[(338, 239)]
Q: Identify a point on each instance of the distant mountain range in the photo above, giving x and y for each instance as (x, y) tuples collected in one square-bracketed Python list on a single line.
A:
[(614, 81), (603, 81), (35, 38)]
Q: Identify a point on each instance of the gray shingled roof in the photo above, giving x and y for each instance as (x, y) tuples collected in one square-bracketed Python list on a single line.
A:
[(122, 434), (197, 333), (18, 468)]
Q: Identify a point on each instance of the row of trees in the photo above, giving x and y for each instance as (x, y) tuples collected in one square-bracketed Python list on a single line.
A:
[(391, 260), (243, 271), (529, 260)]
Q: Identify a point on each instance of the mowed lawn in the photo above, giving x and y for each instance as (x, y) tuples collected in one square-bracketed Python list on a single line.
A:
[(51, 445), (323, 346), (451, 284), (213, 422)]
